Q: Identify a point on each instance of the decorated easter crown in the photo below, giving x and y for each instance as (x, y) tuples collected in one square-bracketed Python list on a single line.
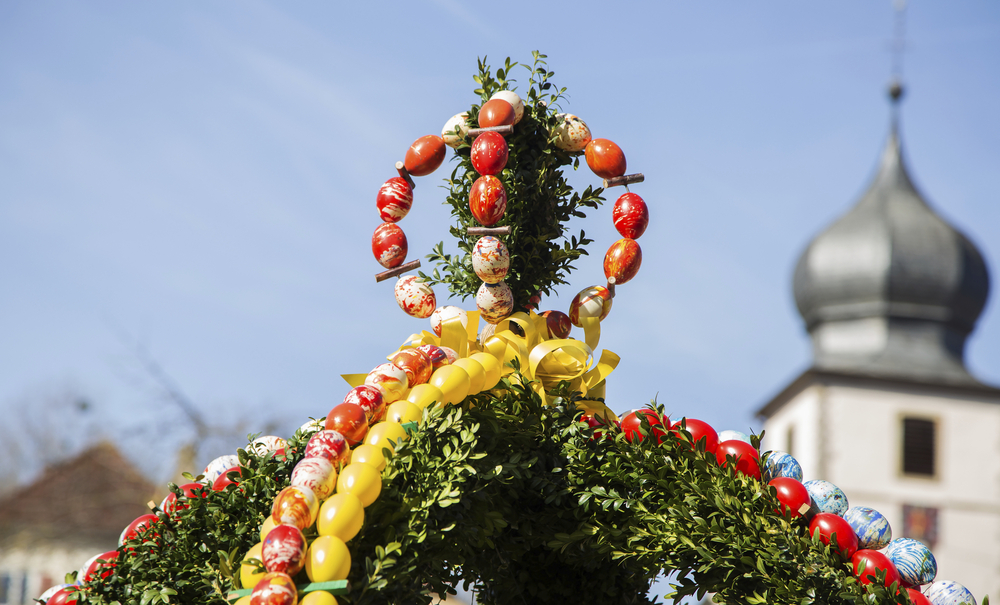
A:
[(488, 459)]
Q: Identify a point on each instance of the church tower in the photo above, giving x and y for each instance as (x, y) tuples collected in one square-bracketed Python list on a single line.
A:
[(888, 410)]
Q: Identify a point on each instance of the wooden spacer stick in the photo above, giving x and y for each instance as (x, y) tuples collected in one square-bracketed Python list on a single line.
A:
[(489, 230), (505, 129), (151, 505), (405, 174), (413, 264), (611, 286), (628, 179)]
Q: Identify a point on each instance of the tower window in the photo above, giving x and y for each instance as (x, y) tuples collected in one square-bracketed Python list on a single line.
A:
[(919, 446)]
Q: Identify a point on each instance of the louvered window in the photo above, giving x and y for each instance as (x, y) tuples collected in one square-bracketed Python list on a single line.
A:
[(919, 436)]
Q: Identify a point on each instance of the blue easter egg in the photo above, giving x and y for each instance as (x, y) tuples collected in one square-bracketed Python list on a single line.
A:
[(913, 560), (871, 527), (946, 592), (731, 434), (782, 464), (826, 497)]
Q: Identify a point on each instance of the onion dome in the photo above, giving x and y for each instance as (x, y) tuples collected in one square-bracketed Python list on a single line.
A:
[(891, 289)]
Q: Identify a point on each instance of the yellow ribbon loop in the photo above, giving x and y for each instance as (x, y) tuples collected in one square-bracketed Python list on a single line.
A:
[(455, 336)]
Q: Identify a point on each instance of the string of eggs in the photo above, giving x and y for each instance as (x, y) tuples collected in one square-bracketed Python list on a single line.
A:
[(488, 204)]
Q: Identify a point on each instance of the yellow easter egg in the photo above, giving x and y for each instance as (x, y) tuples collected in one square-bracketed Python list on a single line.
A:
[(453, 381), (249, 577), (403, 412), (385, 434), (328, 559), (266, 527), (491, 367), (362, 480), (424, 395), (369, 454), (317, 597), (476, 372), (342, 515)]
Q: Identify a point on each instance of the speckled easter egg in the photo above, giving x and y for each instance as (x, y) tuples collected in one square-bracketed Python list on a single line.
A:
[(424, 155), (284, 550), (296, 506), (630, 215), (490, 259), (558, 324), (871, 527), (448, 134), (489, 153), (442, 314), (515, 101), (450, 354), (605, 158), (622, 261), (438, 357), (394, 199), (782, 464), (268, 444), (330, 445), (389, 245), (275, 588), (370, 399), (946, 592), (571, 133), (488, 200), (729, 435), (415, 363), (317, 474), (496, 112), (495, 301), (594, 301), (415, 297), (390, 379), (827, 497), (218, 466), (913, 560)]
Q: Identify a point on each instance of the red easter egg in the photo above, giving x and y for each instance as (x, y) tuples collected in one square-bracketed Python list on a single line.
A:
[(489, 153), (224, 480), (330, 444), (488, 199), (438, 357), (98, 570), (747, 458), (622, 261), (389, 245), (424, 155), (630, 215), (190, 490), (370, 399), (349, 420), (415, 363), (533, 302), (284, 550), (605, 158), (65, 596), (138, 527), (632, 422), (558, 324), (596, 422), (917, 597), (496, 112), (792, 495), (829, 526), (699, 430), (873, 561), (394, 199)]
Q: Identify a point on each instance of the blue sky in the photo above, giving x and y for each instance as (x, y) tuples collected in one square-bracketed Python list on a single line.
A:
[(200, 178)]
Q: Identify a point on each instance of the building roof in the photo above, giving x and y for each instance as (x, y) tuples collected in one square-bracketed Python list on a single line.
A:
[(87, 500)]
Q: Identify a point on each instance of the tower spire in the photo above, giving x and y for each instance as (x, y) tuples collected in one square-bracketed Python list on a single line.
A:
[(898, 47)]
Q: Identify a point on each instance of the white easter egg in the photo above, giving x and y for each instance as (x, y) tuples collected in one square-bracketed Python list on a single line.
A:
[(448, 131), (515, 101), (447, 312), (495, 301), (572, 133), (218, 466), (415, 297), (490, 259)]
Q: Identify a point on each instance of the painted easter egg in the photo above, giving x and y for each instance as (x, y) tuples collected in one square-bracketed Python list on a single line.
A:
[(868, 563), (48, 594), (449, 135), (328, 444), (415, 297), (415, 363), (343, 514), (729, 435), (275, 588), (284, 550), (450, 353), (630, 216), (571, 133), (913, 560), (699, 430), (488, 331), (328, 560), (782, 464), (830, 526), (296, 506), (317, 474), (496, 112), (515, 101), (62, 594), (389, 245), (442, 314), (490, 259), (268, 444), (794, 496), (216, 467), (424, 155), (622, 261), (136, 528), (747, 458), (495, 301), (487, 200), (99, 567), (170, 504), (370, 399), (871, 527), (390, 379), (438, 357), (827, 497), (946, 592), (557, 323), (605, 159), (394, 199), (489, 153), (594, 301), (311, 426), (229, 477), (350, 420)]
